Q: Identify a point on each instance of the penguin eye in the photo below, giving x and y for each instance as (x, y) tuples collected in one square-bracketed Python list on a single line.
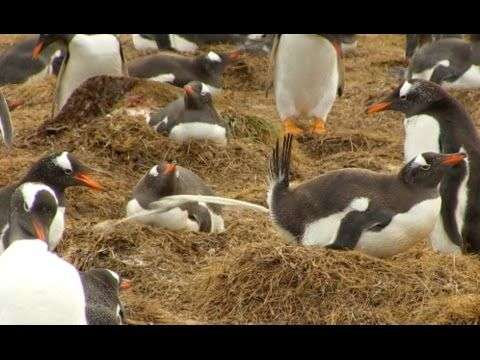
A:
[(426, 167), (68, 171), (403, 97)]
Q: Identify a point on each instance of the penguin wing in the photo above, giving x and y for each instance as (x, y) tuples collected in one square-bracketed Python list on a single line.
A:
[(56, 104), (445, 73), (341, 75), (271, 65), (6, 127)]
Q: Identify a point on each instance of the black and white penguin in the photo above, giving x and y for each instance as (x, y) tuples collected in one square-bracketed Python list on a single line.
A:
[(6, 128), (307, 73), (169, 179), (17, 65), (435, 121), (451, 63), (191, 117), (102, 294), (58, 171), (179, 70), (378, 214), (86, 56), (416, 41), (36, 286)]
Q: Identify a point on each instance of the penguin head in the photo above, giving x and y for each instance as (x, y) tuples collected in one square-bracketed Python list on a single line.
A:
[(61, 170), (32, 209), (411, 98), (196, 95), (44, 40), (162, 179), (214, 63), (427, 169)]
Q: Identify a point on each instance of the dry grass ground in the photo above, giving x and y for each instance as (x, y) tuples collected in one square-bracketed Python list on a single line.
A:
[(247, 274)]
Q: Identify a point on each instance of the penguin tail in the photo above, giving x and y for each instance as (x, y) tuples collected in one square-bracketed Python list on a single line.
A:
[(280, 162)]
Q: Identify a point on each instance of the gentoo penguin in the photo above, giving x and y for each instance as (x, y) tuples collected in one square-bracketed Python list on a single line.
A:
[(375, 213), (307, 70), (451, 63), (435, 121), (179, 70), (58, 171), (17, 65), (415, 41), (6, 128), (102, 288), (191, 117), (36, 286), (170, 179), (86, 56)]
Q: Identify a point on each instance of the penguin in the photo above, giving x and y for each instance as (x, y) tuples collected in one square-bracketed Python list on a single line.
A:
[(452, 63), (378, 214), (349, 43), (6, 127), (17, 65), (59, 171), (179, 70), (86, 56), (191, 117), (435, 121), (36, 286), (306, 74), (415, 41), (170, 179), (102, 295)]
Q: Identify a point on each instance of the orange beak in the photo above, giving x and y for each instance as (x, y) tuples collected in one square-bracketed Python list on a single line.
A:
[(39, 230), (381, 106), (453, 159), (169, 168), (234, 55), (188, 89), (37, 50), (88, 181), (125, 284)]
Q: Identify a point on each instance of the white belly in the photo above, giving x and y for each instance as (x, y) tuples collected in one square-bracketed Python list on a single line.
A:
[(142, 44), (469, 80), (89, 56), (306, 76), (199, 131), (56, 228), (404, 231), (181, 44), (175, 219), (422, 133), (38, 288)]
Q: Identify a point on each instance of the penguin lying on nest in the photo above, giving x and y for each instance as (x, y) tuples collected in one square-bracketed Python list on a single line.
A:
[(450, 62), (179, 70), (381, 215), (416, 41)]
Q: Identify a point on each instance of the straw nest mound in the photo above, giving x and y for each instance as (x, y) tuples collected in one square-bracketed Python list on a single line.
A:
[(247, 274)]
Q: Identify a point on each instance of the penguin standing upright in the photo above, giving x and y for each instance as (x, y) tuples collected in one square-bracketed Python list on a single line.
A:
[(58, 171), (450, 62), (170, 179), (36, 286), (378, 214), (191, 117), (307, 73), (435, 121), (86, 56)]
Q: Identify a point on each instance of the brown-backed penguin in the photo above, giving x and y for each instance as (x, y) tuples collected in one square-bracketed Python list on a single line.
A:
[(102, 294), (86, 56), (179, 70), (58, 171), (169, 179), (451, 63), (6, 128), (191, 117), (37, 286), (18, 66), (416, 41), (307, 70), (435, 121), (375, 213)]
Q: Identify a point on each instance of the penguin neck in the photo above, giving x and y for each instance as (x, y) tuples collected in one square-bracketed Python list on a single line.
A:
[(193, 104), (16, 234), (59, 190), (145, 192), (206, 76)]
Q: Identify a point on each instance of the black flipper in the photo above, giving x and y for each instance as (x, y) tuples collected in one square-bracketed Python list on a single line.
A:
[(6, 127), (444, 73)]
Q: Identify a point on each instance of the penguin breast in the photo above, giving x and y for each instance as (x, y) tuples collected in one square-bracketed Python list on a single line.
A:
[(187, 131)]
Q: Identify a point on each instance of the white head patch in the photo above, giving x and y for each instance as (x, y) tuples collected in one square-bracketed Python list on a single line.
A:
[(62, 161), (420, 160), (154, 171), (30, 190), (405, 89), (213, 56), (205, 89), (115, 275)]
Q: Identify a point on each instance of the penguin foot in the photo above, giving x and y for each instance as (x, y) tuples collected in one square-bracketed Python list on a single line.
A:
[(13, 104), (319, 127), (289, 127)]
